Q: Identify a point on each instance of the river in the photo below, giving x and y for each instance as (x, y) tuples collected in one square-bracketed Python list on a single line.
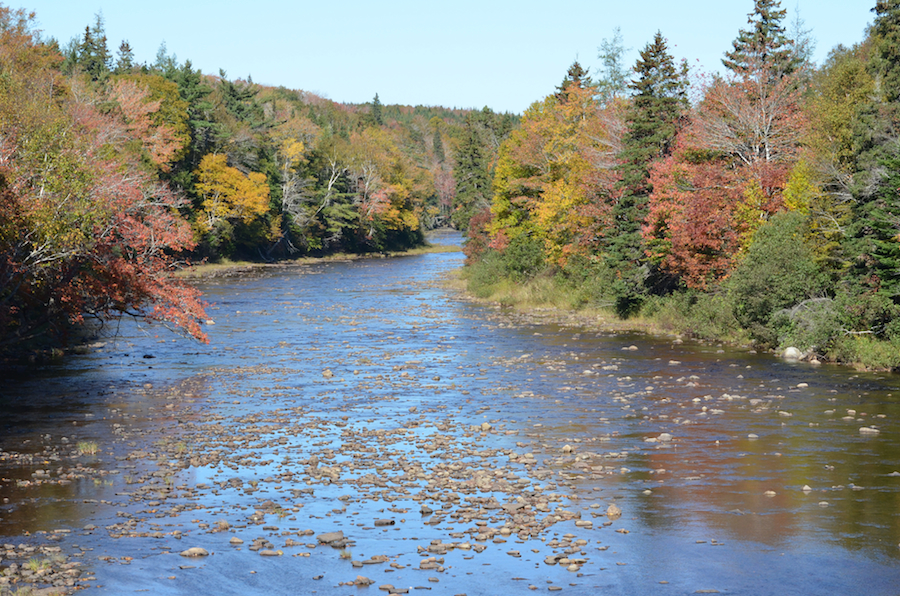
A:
[(460, 448)]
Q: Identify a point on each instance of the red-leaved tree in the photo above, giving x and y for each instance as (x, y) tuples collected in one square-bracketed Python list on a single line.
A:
[(86, 230)]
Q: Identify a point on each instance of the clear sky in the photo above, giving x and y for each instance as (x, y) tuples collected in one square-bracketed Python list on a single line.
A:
[(466, 54)]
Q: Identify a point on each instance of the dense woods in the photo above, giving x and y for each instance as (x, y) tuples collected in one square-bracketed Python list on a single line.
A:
[(758, 206), (115, 174)]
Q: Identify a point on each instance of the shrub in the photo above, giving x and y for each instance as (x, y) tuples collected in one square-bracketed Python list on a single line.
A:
[(523, 258), (699, 314), (587, 280), (778, 272)]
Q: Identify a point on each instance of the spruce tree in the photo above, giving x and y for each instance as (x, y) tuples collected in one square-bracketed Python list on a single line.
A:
[(660, 98), (377, 116), (125, 61), (93, 53), (577, 76), (873, 233), (765, 44), (473, 182)]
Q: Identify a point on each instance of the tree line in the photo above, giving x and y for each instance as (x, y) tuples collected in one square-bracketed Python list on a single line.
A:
[(114, 174), (759, 205)]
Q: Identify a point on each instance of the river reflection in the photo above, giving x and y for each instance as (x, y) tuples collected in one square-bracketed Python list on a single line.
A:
[(736, 472)]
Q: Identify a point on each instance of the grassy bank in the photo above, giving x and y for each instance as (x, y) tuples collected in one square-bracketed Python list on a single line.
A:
[(820, 328)]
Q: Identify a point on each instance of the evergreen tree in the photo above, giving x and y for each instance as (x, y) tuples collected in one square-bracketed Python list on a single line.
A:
[(576, 76), (125, 61), (438, 144), (240, 100), (873, 233), (885, 62), (473, 183), (377, 116), (165, 64), (660, 98), (765, 44), (93, 53), (204, 129)]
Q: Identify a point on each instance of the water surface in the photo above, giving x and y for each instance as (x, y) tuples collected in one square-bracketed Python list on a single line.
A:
[(385, 377)]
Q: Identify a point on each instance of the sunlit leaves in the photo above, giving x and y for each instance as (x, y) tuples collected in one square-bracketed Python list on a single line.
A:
[(86, 230), (555, 173), (229, 194)]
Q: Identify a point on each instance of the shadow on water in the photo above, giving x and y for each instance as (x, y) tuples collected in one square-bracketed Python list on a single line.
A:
[(337, 394)]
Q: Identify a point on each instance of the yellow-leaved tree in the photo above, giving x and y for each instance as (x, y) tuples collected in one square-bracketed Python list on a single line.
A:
[(228, 195)]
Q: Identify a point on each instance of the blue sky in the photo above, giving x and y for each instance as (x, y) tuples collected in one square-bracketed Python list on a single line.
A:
[(466, 54)]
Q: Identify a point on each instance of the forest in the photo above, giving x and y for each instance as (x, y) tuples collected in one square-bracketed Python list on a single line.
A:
[(114, 175), (759, 206)]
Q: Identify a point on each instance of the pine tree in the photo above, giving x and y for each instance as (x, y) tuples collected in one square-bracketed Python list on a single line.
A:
[(765, 45), (660, 98), (473, 183), (873, 234), (576, 76), (377, 116)]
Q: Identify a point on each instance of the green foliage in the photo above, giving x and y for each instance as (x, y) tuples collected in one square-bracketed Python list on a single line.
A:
[(811, 325), (872, 239), (885, 62), (697, 314), (377, 116), (485, 273), (867, 351), (659, 101), (93, 54), (778, 271), (473, 182), (765, 44), (587, 280), (576, 77), (523, 258)]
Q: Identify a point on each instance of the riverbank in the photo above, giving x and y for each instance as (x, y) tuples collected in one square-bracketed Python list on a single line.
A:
[(229, 268), (704, 317)]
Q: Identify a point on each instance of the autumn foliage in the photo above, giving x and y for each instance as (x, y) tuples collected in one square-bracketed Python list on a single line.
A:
[(86, 230), (726, 177)]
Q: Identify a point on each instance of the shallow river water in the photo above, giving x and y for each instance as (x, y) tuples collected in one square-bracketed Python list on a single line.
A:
[(460, 448)]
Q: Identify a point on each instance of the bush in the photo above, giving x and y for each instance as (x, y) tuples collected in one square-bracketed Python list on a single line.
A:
[(484, 274), (698, 314), (588, 281), (810, 325), (867, 351), (778, 272), (523, 258)]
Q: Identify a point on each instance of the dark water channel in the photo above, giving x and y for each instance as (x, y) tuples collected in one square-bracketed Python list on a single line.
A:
[(348, 395)]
